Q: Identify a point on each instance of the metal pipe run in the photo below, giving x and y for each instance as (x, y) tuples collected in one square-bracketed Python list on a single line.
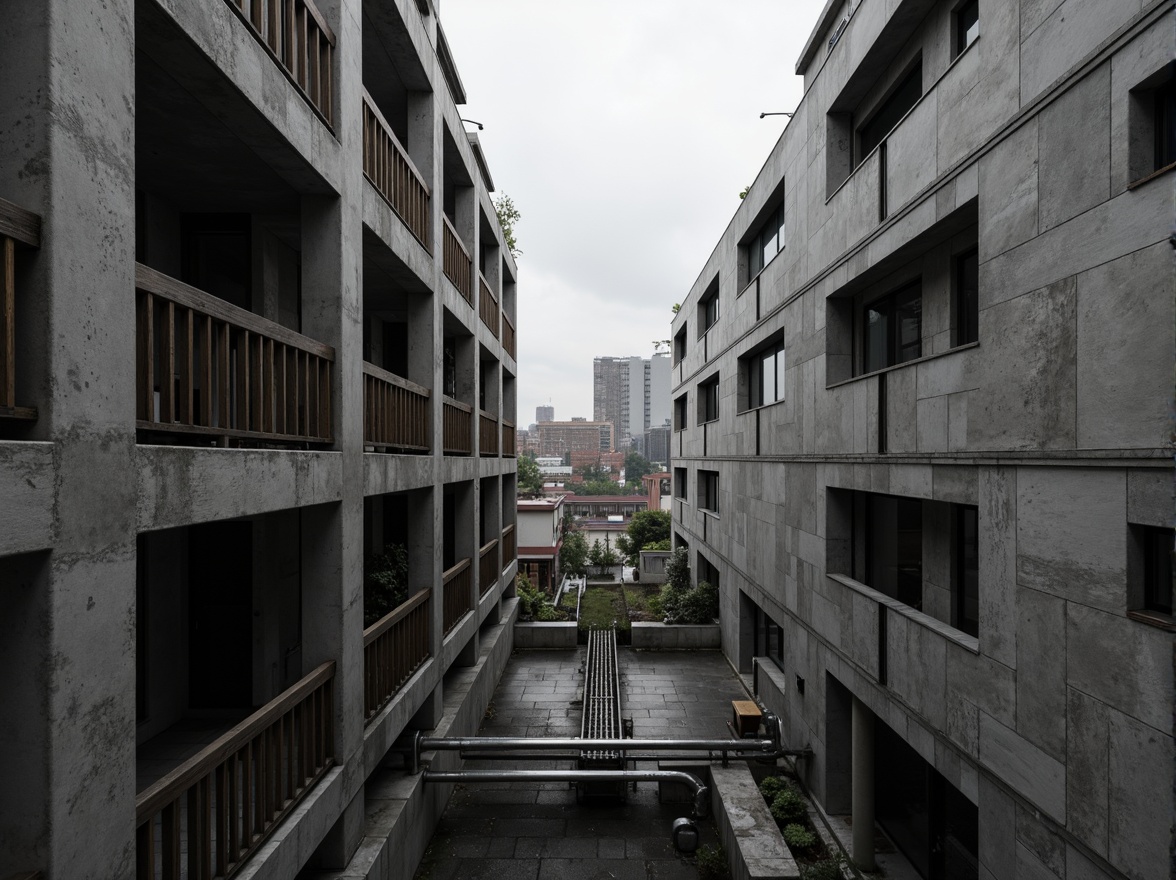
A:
[(478, 755), (701, 791)]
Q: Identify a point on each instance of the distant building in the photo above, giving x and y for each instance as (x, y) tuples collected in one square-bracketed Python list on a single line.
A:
[(657, 443), (540, 534), (611, 462), (545, 413), (632, 393), (562, 438)]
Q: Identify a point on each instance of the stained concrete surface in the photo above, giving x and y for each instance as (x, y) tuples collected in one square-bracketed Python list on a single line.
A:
[(529, 830)]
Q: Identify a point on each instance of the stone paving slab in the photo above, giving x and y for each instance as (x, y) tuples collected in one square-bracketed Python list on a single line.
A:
[(527, 830)]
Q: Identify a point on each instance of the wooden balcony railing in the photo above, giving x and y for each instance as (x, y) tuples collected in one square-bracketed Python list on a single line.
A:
[(297, 37), (394, 647), (508, 439), (510, 550), (208, 367), (395, 411), (487, 433), (206, 817), (17, 226), (457, 429), (488, 569), (487, 306), (508, 336), (392, 173), (457, 263), (457, 600)]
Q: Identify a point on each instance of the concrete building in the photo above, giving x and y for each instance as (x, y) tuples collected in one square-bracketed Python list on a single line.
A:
[(563, 438), (923, 410), (544, 414), (541, 533), (262, 329), (632, 393)]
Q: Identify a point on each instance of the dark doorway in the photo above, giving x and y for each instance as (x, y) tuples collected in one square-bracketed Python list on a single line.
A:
[(220, 619)]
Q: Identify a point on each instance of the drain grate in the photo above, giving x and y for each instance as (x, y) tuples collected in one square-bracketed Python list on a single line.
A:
[(602, 700)]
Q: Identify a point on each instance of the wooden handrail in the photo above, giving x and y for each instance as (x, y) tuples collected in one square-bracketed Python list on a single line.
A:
[(387, 165), (488, 433), (487, 547), (508, 438), (488, 568), (395, 411), (19, 224), (393, 617), (298, 38), (456, 262), (488, 309), (457, 404), (508, 335), (450, 573), (457, 238), (456, 599), (457, 429), (219, 369)]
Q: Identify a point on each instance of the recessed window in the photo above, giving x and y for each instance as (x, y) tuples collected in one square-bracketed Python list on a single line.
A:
[(967, 297), (967, 25), (1165, 124), (765, 375), (893, 328), (1152, 123), (769, 638), (708, 400), (894, 547), (890, 113), (708, 313), (679, 345), (965, 599), (768, 241), (708, 490), (1156, 545), (680, 413), (680, 483)]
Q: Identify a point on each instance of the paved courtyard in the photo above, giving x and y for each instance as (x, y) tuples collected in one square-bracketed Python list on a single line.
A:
[(537, 831)]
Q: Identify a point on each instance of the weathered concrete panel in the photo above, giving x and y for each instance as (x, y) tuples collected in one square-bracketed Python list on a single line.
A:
[(1075, 150), (1087, 767), (1071, 542), (1008, 179), (1140, 785), (1041, 684), (26, 485), (1025, 767)]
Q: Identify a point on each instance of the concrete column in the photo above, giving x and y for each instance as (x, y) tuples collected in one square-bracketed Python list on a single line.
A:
[(863, 785)]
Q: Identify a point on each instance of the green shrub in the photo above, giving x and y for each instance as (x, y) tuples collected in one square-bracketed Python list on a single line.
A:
[(799, 838), (772, 786), (534, 604), (788, 807), (385, 582), (712, 863), (825, 869)]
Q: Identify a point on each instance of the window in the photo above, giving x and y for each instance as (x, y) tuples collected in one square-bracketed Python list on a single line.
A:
[(449, 366), (890, 112), (967, 297), (769, 638), (1152, 568), (680, 483), (1165, 124), (894, 547), (967, 25), (1152, 123), (680, 345), (708, 490), (768, 241), (893, 329), (708, 309), (765, 375), (708, 400), (965, 598), (680, 413)]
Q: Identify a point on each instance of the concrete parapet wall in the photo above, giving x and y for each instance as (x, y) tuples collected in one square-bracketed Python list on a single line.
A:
[(660, 637), (755, 848), (559, 636)]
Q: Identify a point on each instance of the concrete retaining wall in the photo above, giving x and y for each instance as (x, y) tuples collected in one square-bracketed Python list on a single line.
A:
[(755, 848), (660, 637), (559, 636)]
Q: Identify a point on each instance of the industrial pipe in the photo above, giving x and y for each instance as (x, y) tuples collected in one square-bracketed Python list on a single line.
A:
[(701, 792)]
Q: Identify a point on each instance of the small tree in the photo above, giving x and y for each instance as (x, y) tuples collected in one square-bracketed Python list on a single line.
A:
[(385, 582), (645, 528), (574, 554), (508, 216), (602, 556), (530, 481), (637, 466)]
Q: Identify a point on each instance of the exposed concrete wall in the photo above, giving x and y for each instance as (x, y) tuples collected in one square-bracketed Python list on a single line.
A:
[(1056, 424)]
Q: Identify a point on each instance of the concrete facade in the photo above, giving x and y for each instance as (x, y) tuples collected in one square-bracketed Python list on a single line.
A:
[(218, 213), (934, 510)]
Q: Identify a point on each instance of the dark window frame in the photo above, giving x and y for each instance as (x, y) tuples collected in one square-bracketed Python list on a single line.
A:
[(681, 478), (681, 412), (888, 113), (1157, 592), (708, 491), (896, 352), (966, 26), (965, 587), (708, 400), (680, 345), (757, 247), (755, 364), (966, 297), (1164, 124)]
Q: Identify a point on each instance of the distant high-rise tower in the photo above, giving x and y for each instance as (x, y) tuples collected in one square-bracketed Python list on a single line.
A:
[(631, 392), (545, 413)]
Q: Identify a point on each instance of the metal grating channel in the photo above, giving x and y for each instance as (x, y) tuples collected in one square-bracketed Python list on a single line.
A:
[(602, 698)]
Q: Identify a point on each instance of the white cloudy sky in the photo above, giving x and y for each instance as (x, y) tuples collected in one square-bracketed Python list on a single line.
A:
[(623, 130)]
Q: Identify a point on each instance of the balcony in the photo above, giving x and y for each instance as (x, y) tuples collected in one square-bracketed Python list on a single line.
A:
[(457, 427), (394, 647), (206, 817), (457, 264), (387, 166), (17, 227), (508, 439), (509, 546), (487, 433), (207, 367), (456, 584), (508, 336), (487, 306), (488, 569), (297, 37), (395, 412)]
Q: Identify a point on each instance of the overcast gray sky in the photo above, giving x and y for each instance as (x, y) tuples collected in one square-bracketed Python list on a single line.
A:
[(624, 131)]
